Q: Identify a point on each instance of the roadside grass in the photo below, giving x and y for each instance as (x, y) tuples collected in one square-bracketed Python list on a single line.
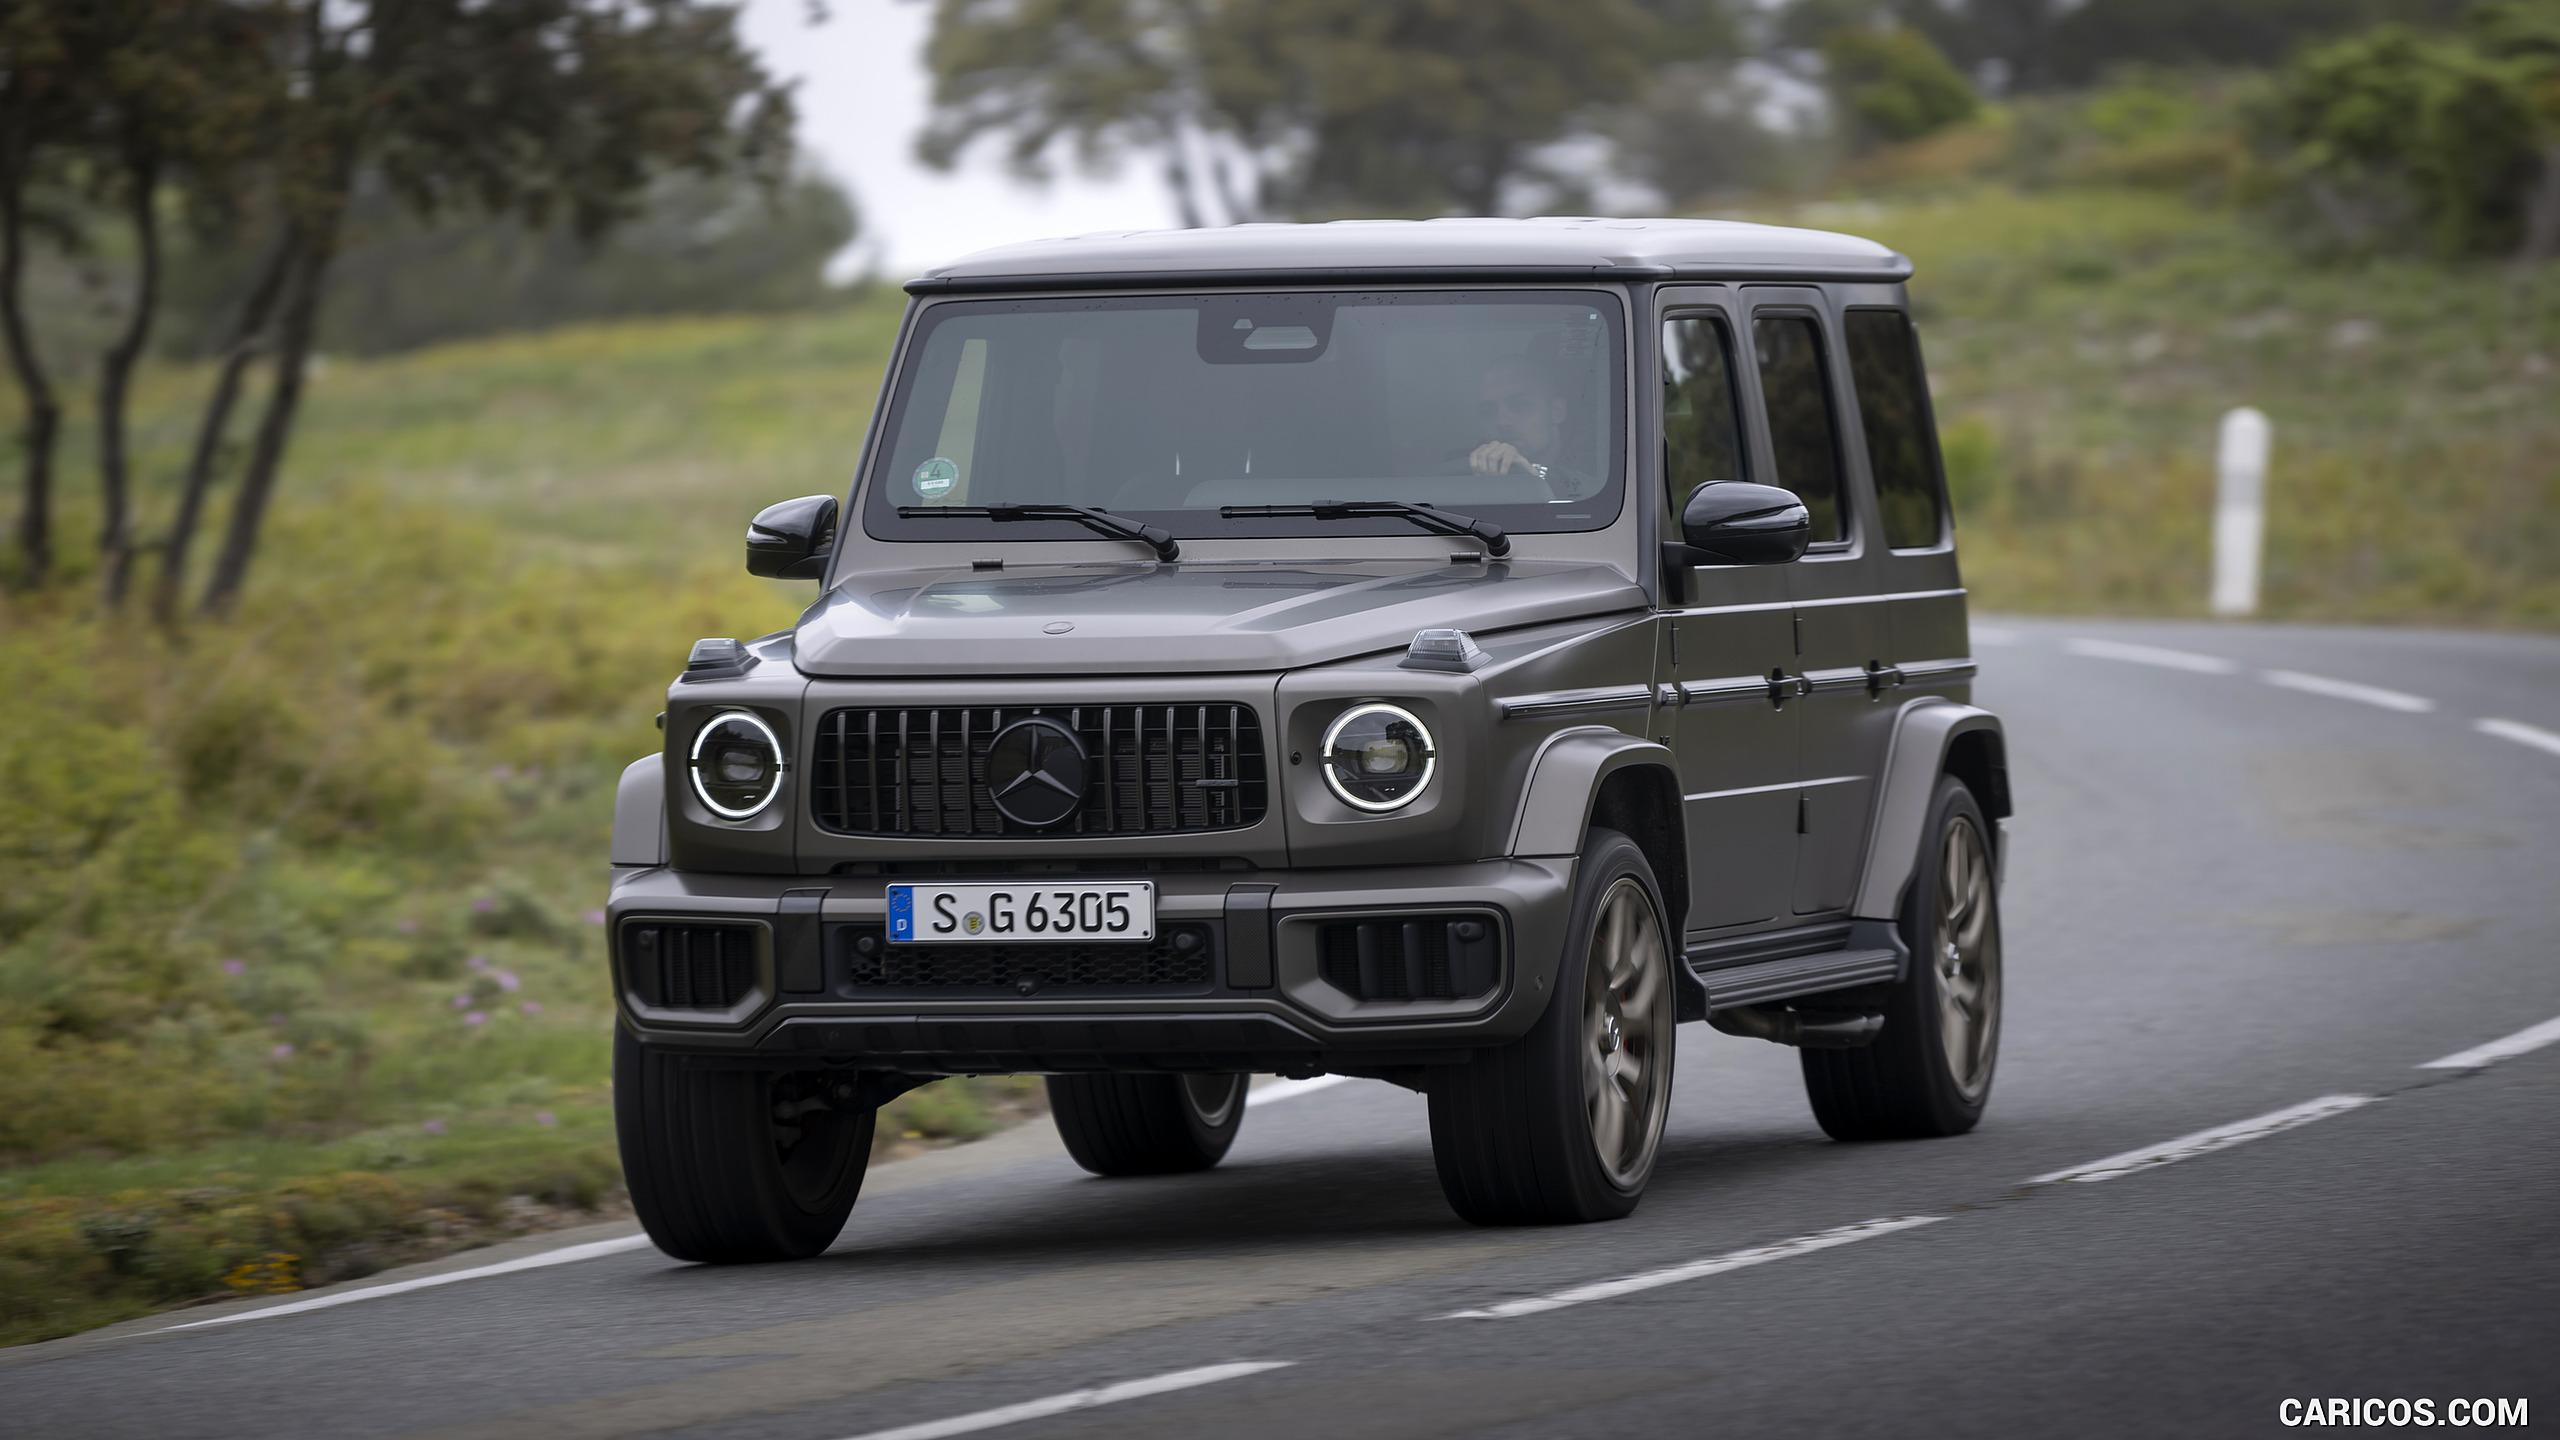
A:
[(296, 940)]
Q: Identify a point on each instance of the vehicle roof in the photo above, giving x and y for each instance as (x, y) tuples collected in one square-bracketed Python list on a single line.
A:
[(1549, 247)]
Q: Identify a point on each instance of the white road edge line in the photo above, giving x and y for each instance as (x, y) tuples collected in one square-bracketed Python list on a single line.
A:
[(1291, 1089), (1075, 1400), (2153, 655), (566, 1255), (1697, 1269), (2525, 1041), (2205, 1142), (2405, 703), (2519, 732)]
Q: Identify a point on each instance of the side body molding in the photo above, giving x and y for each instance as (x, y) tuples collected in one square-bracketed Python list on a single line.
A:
[(1555, 805), (1925, 739), (640, 813)]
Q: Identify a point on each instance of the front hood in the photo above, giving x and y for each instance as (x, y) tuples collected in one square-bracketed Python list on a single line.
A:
[(1054, 619)]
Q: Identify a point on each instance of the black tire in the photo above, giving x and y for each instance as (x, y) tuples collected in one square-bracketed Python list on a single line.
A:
[(1929, 1070), (1530, 1134), (1147, 1124), (730, 1166)]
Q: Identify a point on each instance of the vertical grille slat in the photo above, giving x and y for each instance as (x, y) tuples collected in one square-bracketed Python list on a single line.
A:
[(1155, 769), (690, 966)]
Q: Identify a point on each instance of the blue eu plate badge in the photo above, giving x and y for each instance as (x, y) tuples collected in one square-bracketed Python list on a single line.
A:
[(902, 912)]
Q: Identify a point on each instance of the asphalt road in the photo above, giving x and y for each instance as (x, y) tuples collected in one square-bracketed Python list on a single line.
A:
[(2229, 896)]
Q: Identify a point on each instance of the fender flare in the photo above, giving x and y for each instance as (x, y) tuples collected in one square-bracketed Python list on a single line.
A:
[(640, 813), (1923, 737), (1565, 778)]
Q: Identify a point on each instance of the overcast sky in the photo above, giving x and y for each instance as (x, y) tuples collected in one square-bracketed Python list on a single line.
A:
[(862, 98)]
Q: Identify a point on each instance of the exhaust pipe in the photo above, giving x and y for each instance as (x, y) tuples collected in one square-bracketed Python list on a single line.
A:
[(1805, 1029)]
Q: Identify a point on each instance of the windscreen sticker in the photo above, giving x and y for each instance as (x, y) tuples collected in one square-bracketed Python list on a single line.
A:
[(935, 477)]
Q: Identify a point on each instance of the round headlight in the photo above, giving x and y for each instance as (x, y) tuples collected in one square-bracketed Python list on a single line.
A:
[(737, 765), (1377, 758)]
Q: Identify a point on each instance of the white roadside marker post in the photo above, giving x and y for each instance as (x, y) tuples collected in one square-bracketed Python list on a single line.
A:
[(2240, 511)]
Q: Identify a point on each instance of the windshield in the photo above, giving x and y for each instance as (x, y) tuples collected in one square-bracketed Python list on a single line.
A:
[(1502, 406)]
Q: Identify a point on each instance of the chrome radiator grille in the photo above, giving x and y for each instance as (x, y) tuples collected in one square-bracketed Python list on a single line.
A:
[(1152, 769)]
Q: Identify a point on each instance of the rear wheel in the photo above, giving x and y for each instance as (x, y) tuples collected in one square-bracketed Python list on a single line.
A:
[(728, 1166), (1929, 1071), (1562, 1125), (1147, 1124)]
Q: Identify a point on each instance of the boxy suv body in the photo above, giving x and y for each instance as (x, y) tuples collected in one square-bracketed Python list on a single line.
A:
[(1451, 652)]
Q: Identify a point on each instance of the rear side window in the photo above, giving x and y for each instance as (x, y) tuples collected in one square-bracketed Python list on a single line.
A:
[(1893, 406), (1701, 431), (1804, 436)]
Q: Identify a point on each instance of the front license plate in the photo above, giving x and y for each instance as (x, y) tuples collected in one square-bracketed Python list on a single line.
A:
[(959, 914)]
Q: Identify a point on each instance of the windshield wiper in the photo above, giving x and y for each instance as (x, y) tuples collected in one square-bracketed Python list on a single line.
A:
[(1438, 522), (1099, 521)]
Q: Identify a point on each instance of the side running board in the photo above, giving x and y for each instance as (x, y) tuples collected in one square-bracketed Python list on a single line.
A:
[(1804, 962)]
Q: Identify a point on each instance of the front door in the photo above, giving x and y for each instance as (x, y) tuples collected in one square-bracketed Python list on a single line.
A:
[(1730, 629)]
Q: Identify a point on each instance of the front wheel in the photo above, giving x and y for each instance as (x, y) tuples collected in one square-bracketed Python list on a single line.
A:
[(1147, 1124), (1562, 1125), (1929, 1071), (728, 1166)]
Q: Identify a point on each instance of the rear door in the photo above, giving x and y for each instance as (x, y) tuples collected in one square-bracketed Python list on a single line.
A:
[(1843, 629), (1730, 629)]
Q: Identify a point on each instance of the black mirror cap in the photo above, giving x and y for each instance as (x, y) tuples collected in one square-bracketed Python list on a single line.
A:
[(792, 540), (1738, 523)]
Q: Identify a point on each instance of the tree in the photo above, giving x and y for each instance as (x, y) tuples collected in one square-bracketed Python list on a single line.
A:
[(1893, 85), (43, 86), (1304, 107), (529, 107)]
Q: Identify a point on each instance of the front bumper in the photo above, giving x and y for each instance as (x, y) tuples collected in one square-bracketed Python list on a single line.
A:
[(1263, 1004)]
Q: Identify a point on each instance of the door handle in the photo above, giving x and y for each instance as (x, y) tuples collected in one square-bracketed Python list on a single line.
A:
[(1882, 677), (1783, 686)]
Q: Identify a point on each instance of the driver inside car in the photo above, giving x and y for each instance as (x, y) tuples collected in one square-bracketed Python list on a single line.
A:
[(1524, 418)]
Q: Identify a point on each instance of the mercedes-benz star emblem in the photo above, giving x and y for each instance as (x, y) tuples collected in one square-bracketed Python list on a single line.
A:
[(1036, 771)]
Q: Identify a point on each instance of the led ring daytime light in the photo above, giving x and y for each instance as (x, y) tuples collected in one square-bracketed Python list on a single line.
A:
[(737, 765), (1378, 758)]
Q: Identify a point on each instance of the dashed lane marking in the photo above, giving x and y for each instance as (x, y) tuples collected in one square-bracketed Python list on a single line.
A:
[(2349, 690), (2152, 655), (1291, 1089), (2525, 1041), (1697, 1269), (2205, 1142), (2519, 732), (566, 1255), (1050, 1405)]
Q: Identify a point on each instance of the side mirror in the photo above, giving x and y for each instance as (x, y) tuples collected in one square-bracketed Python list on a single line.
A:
[(792, 540), (1734, 523)]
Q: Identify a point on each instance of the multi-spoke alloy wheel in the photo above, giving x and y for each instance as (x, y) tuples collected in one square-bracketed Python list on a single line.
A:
[(1929, 1072), (1626, 1017), (1563, 1123)]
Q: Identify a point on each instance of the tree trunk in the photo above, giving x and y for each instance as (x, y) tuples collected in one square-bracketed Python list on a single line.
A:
[(236, 355), (44, 412), (2542, 212), (257, 483), (115, 380)]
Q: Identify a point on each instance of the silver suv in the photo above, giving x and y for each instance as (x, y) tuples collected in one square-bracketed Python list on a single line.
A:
[(1452, 653)]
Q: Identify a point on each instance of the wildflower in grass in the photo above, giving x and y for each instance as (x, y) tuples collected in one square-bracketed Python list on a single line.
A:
[(483, 905), (507, 980), (476, 1017), (408, 925), (281, 1052), (274, 1020), (545, 1118), (460, 1002), (531, 1007), (595, 917), (234, 967), (433, 1127), (502, 772), (478, 962)]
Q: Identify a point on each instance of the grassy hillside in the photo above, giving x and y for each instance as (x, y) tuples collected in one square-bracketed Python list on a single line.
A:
[(298, 970)]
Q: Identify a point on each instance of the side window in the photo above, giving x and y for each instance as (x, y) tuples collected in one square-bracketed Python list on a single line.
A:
[(1701, 433), (1893, 406), (1804, 436)]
